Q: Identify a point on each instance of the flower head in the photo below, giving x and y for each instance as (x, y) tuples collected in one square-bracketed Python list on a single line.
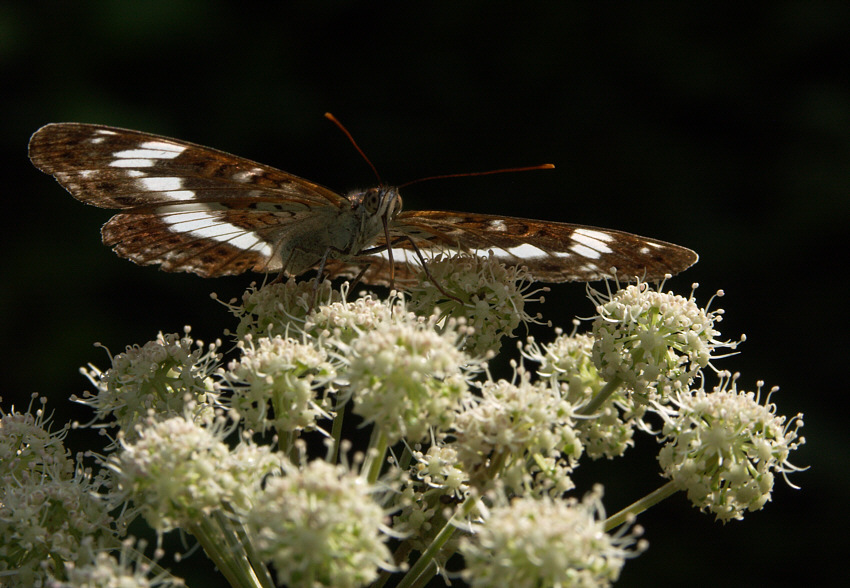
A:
[(439, 467), (51, 515), (28, 448), (407, 377), (161, 377), (567, 362), (346, 319), (723, 447), (652, 341), (320, 527), (531, 424), (544, 542), (178, 471), (435, 477), (275, 381), (106, 570), (567, 359), (272, 309)]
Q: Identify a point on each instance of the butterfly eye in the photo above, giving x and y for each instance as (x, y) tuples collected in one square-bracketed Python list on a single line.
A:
[(371, 200)]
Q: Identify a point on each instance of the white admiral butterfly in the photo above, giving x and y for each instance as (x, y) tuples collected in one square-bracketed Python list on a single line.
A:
[(195, 209)]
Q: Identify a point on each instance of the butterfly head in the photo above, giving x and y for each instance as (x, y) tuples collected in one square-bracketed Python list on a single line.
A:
[(381, 202), (376, 208)]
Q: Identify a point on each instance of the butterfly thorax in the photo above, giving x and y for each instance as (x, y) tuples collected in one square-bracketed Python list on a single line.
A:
[(339, 233)]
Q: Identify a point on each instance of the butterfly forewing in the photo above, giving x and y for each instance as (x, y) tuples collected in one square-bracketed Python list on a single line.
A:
[(192, 208), (120, 168)]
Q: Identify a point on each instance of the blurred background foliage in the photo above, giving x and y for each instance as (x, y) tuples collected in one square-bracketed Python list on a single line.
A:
[(726, 130)]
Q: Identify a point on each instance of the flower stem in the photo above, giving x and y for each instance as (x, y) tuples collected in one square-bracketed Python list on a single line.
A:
[(254, 559), (336, 429), (375, 455), (224, 554), (427, 557), (599, 399), (425, 576), (639, 506), (285, 444)]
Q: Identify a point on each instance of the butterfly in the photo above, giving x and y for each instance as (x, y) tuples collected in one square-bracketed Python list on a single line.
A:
[(195, 209)]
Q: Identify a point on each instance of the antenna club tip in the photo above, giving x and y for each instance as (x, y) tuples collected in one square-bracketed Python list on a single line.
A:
[(548, 166)]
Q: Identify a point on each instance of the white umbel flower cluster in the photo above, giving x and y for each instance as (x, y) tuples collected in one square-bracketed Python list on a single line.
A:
[(457, 462), (406, 377), (52, 516), (529, 426), (160, 377), (567, 363), (127, 570), (274, 308), (535, 542), (652, 341), (489, 296), (321, 527), (345, 319), (723, 448), (179, 471), (275, 383)]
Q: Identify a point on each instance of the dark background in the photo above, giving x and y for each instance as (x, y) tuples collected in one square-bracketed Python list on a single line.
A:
[(724, 130)]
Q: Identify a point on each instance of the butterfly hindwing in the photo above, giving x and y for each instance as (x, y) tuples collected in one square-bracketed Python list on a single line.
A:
[(208, 247)]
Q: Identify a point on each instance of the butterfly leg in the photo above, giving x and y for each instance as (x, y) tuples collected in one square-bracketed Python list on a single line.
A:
[(320, 273), (428, 275), (353, 284), (279, 277), (320, 277)]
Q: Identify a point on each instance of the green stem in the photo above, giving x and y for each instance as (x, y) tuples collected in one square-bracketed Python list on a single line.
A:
[(405, 459), (425, 576), (211, 537), (607, 390), (236, 548), (639, 506), (285, 442), (336, 428), (427, 557), (375, 455), (254, 559)]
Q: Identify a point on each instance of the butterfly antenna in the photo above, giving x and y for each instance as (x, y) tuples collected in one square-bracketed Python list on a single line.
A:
[(483, 173), (333, 119)]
